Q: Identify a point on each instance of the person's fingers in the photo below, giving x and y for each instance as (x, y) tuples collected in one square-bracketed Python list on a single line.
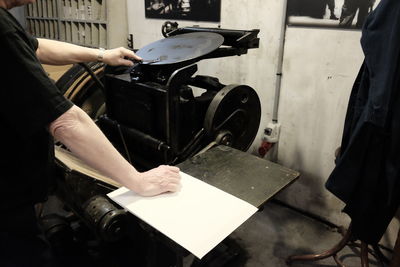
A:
[(174, 175), (172, 187), (130, 54), (174, 178), (171, 168), (125, 62), (171, 177), (166, 178)]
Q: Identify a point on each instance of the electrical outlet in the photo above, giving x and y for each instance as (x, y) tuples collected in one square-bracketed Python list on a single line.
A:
[(271, 132)]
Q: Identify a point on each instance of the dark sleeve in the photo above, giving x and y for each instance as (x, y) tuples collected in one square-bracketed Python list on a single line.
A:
[(31, 100), (34, 42)]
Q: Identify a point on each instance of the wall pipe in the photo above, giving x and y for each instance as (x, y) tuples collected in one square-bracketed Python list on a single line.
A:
[(280, 63)]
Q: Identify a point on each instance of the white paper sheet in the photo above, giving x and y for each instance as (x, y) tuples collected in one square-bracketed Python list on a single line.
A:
[(198, 217)]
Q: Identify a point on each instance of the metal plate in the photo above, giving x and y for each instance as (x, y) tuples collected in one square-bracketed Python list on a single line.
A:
[(241, 174), (181, 47)]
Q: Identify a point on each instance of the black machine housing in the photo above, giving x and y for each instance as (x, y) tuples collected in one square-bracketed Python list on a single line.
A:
[(153, 116)]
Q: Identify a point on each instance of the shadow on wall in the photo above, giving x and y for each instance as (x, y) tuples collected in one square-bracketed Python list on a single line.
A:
[(308, 193), (308, 196)]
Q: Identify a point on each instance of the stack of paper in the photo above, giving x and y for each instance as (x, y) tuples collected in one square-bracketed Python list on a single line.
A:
[(198, 217)]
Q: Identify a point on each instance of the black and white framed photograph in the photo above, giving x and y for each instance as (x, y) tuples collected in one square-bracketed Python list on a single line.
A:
[(349, 14), (197, 10)]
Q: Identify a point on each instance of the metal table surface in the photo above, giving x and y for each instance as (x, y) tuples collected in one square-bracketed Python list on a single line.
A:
[(180, 48), (241, 174)]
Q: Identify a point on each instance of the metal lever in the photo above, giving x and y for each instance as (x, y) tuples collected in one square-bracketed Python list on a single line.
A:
[(150, 61), (143, 61)]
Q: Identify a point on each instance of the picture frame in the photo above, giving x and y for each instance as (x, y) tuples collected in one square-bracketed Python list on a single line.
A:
[(345, 14), (195, 10)]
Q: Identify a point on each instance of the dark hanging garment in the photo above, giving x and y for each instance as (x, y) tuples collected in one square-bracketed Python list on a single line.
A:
[(367, 172)]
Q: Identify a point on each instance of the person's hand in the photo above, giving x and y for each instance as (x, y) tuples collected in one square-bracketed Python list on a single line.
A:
[(120, 57), (159, 180)]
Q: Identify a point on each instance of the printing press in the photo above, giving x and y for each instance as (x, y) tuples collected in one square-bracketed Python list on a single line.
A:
[(153, 114)]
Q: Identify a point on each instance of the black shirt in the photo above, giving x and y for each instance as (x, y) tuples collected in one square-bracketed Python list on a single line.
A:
[(29, 102)]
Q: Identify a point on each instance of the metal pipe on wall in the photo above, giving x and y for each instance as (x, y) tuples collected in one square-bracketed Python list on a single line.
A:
[(280, 63)]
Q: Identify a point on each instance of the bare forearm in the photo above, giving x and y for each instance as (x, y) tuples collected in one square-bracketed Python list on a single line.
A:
[(78, 132), (60, 53)]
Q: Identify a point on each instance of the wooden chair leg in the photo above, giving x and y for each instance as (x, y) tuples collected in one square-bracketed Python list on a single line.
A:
[(383, 260), (364, 254), (326, 254), (396, 253)]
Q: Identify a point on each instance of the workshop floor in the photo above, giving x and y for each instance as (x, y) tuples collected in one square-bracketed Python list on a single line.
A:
[(275, 233), (265, 240)]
